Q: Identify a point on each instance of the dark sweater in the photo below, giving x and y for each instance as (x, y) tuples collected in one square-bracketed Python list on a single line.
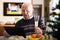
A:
[(25, 27)]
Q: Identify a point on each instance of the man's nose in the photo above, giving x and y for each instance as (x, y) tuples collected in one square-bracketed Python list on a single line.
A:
[(26, 12)]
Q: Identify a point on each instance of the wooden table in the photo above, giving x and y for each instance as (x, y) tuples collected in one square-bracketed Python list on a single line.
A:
[(7, 25)]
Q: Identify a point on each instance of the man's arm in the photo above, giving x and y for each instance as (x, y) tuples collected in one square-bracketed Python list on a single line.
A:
[(42, 26)]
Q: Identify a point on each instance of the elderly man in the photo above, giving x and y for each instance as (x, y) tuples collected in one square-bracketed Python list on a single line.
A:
[(25, 26)]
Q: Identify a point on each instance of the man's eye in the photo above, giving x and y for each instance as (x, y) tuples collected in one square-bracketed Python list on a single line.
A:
[(28, 11), (23, 10)]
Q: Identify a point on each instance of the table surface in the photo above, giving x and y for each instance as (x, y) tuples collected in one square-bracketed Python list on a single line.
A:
[(7, 25)]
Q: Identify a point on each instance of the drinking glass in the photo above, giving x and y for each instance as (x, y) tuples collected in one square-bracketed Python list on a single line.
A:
[(36, 19)]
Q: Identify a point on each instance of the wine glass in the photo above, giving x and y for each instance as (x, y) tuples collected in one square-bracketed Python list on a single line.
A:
[(36, 20)]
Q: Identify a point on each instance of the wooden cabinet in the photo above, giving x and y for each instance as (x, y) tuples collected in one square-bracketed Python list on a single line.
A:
[(38, 9), (46, 6)]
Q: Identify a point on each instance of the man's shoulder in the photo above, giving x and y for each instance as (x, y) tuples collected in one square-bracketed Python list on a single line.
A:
[(20, 21)]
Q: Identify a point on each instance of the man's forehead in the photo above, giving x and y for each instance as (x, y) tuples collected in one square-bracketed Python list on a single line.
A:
[(27, 6)]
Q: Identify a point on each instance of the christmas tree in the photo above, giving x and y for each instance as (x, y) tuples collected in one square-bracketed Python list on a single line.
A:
[(54, 21)]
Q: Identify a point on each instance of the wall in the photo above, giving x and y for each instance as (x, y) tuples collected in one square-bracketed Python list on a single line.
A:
[(4, 19), (38, 2), (11, 19)]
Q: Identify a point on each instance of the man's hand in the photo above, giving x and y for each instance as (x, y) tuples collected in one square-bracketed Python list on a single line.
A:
[(38, 30)]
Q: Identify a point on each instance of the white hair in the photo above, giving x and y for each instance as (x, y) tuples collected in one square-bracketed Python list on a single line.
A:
[(28, 4)]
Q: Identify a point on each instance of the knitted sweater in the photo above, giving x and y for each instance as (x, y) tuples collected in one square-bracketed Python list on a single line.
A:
[(25, 27)]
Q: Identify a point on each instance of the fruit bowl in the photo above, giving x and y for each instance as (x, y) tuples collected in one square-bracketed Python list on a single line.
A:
[(36, 37)]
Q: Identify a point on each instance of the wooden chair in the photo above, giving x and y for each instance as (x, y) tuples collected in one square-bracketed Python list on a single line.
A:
[(1, 31)]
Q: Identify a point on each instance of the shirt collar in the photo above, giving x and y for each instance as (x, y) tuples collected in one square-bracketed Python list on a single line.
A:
[(28, 18)]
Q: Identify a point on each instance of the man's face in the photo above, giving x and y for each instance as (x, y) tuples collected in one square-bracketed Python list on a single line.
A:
[(27, 12)]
